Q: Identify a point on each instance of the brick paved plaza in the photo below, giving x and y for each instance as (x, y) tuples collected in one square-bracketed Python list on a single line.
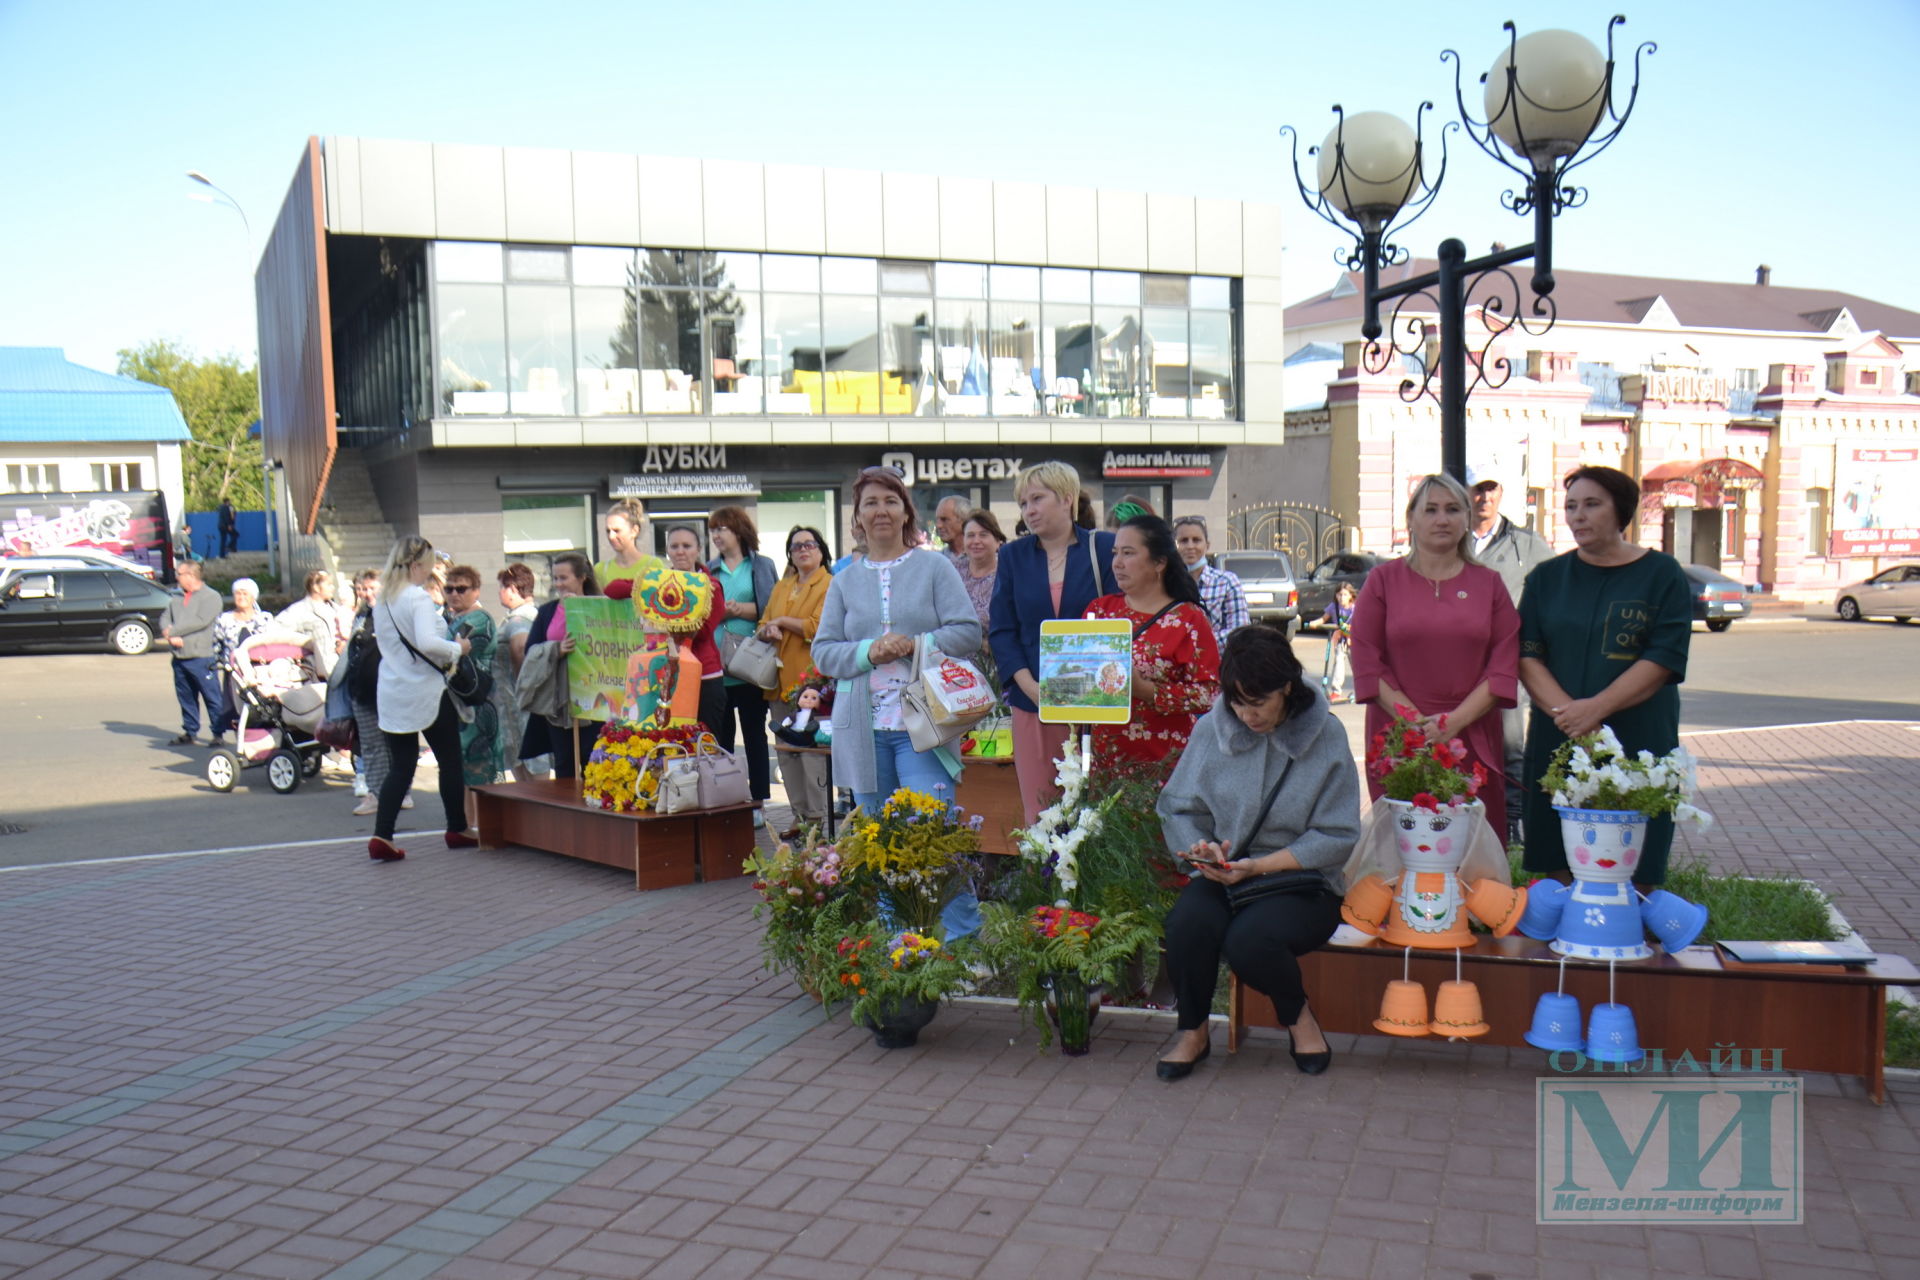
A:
[(296, 1063)]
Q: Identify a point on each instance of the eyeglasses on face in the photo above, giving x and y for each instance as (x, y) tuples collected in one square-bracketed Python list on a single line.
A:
[(803, 544), (460, 586)]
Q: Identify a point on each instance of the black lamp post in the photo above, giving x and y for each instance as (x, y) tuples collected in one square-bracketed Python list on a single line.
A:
[(1549, 108)]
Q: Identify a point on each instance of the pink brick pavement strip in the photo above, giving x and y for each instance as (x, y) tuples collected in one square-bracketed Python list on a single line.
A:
[(297, 1063)]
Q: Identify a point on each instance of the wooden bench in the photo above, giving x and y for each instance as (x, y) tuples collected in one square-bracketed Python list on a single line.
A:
[(1820, 1017), (662, 850)]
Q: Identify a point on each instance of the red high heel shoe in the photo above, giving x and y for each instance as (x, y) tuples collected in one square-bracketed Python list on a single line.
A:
[(461, 840), (384, 850)]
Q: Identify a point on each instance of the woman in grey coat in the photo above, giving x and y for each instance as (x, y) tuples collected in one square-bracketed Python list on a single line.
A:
[(1264, 890)]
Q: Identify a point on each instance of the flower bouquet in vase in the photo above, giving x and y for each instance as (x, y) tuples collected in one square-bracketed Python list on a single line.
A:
[(911, 857), (795, 887), (895, 979), (1079, 917)]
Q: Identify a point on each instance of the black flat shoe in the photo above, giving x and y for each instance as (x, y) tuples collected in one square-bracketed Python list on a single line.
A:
[(1181, 1070), (1312, 1064)]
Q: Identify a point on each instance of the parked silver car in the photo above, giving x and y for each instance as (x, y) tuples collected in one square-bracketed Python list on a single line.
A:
[(1891, 593), (1267, 578)]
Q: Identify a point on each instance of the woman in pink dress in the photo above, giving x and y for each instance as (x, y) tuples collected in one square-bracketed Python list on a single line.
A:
[(1438, 632)]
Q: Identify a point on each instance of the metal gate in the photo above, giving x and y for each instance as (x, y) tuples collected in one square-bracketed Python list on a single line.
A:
[(1307, 534)]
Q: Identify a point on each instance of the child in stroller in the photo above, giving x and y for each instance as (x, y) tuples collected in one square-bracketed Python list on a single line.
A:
[(280, 700)]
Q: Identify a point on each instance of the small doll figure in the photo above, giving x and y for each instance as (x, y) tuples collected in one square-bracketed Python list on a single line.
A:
[(807, 726)]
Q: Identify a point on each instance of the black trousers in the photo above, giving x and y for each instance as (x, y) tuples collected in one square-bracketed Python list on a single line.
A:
[(443, 739), (713, 711), (1261, 942), (748, 704)]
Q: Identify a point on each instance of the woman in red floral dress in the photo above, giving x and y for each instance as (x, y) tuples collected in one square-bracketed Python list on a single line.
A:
[(1176, 661)]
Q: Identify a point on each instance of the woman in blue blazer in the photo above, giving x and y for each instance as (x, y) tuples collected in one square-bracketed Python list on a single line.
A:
[(1055, 571)]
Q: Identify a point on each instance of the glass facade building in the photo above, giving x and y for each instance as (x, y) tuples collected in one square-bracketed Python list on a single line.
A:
[(585, 331)]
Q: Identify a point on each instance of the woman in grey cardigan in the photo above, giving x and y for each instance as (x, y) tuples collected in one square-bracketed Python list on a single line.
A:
[(875, 612), (1263, 901)]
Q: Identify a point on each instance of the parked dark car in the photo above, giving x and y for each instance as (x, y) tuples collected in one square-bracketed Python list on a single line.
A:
[(1267, 577), (1320, 586), (1717, 599), (79, 608)]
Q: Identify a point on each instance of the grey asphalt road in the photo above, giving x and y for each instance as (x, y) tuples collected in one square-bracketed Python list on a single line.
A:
[(87, 772)]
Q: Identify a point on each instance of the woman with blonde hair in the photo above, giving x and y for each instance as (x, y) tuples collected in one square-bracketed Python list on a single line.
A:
[(1055, 571), (625, 526), (1437, 632), (415, 656)]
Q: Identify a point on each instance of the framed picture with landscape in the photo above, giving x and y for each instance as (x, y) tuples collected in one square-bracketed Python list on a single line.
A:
[(1086, 671)]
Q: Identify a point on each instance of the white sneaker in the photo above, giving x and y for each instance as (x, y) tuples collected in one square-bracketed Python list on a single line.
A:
[(759, 819), (407, 803), (369, 804)]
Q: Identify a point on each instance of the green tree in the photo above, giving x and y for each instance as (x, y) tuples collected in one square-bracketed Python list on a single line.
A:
[(219, 400)]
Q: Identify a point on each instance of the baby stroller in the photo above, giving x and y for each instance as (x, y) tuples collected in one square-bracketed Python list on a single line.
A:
[(280, 702)]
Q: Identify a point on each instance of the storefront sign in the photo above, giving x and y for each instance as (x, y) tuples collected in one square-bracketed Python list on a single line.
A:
[(682, 485), (1161, 463), (1876, 502), (949, 470), (1675, 386), (684, 457)]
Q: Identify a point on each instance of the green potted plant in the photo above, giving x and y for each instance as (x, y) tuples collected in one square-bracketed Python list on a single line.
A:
[(895, 980), (795, 887)]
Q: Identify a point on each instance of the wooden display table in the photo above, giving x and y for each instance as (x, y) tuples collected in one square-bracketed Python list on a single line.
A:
[(990, 788), (660, 850), (1820, 1017)]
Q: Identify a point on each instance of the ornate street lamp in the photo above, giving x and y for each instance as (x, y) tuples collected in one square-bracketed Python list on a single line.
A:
[(1549, 103)]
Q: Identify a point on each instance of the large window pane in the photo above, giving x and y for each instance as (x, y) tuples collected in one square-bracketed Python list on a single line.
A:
[(471, 339), (742, 270), (1116, 288), (959, 280), (847, 275), (793, 347), (1166, 291), (961, 358), (789, 272), (540, 348), (1212, 360), (1117, 371), (669, 350), (906, 277), (907, 353), (612, 267), (1066, 355), (850, 355), (457, 262), (1214, 292), (1012, 356), (606, 336), (1064, 284), (736, 346), (1167, 342), (543, 264), (1015, 284)]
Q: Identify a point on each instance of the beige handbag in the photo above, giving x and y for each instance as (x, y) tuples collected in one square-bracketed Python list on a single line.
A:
[(722, 778), (678, 780), (754, 660), (944, 700)]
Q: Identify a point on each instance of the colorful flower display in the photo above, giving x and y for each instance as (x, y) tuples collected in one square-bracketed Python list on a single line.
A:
[(1422, 768), (615, 777)]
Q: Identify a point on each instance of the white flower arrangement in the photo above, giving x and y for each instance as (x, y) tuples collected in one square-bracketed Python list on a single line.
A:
[(1066, 824), (1595, 772)]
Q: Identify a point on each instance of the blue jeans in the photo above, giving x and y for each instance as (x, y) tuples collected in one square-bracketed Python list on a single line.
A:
[(895, 765), (194, 684)]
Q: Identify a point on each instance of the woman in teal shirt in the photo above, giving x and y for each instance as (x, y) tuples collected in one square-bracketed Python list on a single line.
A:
[(746, 578), (1604, 631)]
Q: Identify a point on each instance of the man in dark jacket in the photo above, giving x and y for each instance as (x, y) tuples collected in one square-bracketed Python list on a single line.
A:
[(187, 627), (229, 528), (1511, 552)]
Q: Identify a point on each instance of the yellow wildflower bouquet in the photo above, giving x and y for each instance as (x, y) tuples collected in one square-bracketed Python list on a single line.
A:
[(915, 850), (614, 777)]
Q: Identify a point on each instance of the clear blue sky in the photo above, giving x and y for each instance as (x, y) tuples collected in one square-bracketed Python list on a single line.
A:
[(1765, 132)]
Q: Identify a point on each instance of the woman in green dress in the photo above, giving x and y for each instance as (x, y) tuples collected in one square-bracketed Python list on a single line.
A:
[(1604, 631), (479, 737)]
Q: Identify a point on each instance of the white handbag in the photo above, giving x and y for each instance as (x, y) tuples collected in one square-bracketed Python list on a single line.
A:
[(943, 700), (678, 788)]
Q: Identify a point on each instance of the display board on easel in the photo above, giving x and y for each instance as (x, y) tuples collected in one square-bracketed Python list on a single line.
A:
[(1086, 671)]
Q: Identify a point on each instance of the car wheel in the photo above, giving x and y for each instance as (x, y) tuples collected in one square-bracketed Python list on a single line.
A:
[(283, 771), (132, 637), (1719, 624), (223, 770), (1850, 610)]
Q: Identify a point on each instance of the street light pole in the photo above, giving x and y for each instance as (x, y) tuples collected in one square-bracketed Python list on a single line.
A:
[(221, 196), (1547, 97)]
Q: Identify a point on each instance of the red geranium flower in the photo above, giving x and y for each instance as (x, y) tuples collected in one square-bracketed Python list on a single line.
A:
[(1426, 800)]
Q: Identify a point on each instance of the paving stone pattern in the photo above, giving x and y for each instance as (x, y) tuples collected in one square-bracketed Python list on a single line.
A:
[(297, 1063)]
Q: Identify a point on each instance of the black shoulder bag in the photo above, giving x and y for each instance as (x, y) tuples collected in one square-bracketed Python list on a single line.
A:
[(466, 680), (1299, 880)]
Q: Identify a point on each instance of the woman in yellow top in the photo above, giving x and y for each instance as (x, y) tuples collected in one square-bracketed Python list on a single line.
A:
[(793, 615), (626, 526)]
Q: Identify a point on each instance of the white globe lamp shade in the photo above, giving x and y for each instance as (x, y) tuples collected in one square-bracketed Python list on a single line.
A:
[(1556, 99), (1370, 167)]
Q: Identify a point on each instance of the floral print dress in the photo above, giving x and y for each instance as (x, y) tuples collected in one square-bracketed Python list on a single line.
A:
[(479, 737), (1178, 652)]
